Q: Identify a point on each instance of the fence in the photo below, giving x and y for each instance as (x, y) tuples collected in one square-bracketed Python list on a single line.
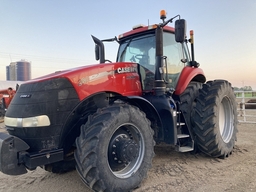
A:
[(246, 106)]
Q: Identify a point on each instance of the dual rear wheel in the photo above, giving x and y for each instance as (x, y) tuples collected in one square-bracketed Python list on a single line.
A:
[(216, 119), (211, 110)]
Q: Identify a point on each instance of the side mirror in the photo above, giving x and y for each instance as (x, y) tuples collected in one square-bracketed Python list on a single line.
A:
[(180, 30), (97, 52)]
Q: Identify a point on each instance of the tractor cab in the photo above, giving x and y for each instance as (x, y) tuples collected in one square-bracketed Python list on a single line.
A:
[(141, 48), (162, 54)]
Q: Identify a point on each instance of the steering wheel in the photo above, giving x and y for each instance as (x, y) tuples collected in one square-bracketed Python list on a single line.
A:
[(144, 61), (106, 60)]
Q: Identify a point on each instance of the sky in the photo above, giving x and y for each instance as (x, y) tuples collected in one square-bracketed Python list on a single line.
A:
[(56, 35)]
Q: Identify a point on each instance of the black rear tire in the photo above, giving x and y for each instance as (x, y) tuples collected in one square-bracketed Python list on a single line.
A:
[(216, 119), (115, 148), (188, 101)]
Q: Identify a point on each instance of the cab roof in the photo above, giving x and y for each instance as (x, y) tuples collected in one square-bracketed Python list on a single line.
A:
[(141, 28)]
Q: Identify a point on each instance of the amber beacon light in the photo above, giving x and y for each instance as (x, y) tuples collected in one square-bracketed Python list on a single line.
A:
[(163, 15)]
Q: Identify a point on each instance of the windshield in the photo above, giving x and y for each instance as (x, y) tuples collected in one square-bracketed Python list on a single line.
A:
[(142, 50), (139, 50)]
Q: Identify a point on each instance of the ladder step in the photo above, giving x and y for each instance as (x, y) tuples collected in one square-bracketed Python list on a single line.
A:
[(185, 149), (180, 136)]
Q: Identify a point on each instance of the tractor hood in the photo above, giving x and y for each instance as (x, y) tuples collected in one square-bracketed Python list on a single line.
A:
[(120, 77), (63, 73)]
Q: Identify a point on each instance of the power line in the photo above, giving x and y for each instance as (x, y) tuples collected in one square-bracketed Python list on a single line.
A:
[(40, 58), (44, 59)]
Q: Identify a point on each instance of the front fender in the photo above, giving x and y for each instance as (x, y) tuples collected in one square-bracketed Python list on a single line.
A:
[(146, 107), (159, 111)]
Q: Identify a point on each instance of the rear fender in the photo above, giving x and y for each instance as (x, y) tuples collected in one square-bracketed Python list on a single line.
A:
[(189, 74)]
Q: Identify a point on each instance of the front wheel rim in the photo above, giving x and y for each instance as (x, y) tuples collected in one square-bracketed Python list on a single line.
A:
[(126, 150)]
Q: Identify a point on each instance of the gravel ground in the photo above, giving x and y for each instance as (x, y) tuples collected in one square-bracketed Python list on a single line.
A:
[(171, 171)]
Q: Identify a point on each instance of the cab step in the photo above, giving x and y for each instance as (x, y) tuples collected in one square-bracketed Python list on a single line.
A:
[(180, 136), (185, 143), (180, 124), (185, 149)]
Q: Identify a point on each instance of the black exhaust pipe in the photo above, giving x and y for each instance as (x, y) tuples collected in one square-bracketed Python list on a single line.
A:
[(159, 85)]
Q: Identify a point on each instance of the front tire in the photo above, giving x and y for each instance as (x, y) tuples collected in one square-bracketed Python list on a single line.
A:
[(216, 119), (115, 148)]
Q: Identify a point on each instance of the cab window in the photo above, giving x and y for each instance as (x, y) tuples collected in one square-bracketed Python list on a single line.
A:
[(173, 54)]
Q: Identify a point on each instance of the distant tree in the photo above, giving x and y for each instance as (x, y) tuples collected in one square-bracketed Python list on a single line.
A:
[(246, 88)]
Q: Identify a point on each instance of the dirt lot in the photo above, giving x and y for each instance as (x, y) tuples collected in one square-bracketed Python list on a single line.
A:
[(171, 171)]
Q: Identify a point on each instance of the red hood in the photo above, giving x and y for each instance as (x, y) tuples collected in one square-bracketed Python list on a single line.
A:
[(121, 77), (64, 73)]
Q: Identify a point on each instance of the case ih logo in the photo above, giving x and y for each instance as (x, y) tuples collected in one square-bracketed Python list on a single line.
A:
[(25, 96), (126, 69)]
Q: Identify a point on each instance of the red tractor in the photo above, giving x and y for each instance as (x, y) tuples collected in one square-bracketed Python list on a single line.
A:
[(105, 119), (6, 97)]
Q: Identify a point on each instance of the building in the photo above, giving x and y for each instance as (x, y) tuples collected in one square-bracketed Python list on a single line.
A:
[(18, 71)]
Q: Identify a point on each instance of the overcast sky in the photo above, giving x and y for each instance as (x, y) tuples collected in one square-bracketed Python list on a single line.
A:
[(56, 34)]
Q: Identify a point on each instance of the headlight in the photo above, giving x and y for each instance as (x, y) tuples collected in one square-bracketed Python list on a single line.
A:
[(37, 121)]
